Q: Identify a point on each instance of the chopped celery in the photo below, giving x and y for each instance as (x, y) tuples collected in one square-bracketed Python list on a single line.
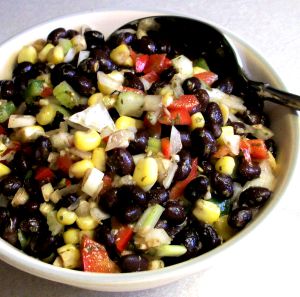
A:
[(130, 104), (168, 250), (66, 44), (149, 218), (201, 62), (66, 95), (22, 239), (34, 89), (154, 145), (62, 110), (6, 109), (54, 226)]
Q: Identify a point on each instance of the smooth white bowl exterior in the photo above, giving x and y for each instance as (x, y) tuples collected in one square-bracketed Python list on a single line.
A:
[(284, 124)]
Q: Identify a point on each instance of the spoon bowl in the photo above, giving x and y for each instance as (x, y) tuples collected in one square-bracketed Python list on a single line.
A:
[(195, 39)]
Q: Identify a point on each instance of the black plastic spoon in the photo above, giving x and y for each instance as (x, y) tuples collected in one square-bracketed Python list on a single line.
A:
[(195, 38)]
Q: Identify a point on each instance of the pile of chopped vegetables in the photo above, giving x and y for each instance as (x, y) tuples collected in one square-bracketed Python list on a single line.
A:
[(126, 155)]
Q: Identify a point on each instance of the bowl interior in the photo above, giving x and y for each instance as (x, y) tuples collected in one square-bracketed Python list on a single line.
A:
[(284, 124)]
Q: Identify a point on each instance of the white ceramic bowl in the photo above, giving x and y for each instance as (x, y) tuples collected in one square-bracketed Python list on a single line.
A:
[(284, 124)]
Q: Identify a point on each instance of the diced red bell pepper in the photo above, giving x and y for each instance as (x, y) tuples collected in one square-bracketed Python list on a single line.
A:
[(95, 257), (123, 237), (245, 148), (47, 91), (64, 163), (68, 182), (188, 102), (2, 130), (141, 62), (44, 174), (157, 63), (12, 147), (222, 151), (179, 187), (176, 117), (255, 147), (151, 77), (166, 147), (208, 77), (107, 183), (133, 55)]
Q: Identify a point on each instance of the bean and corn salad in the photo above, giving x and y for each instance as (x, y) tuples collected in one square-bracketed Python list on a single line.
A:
[(126, 155)]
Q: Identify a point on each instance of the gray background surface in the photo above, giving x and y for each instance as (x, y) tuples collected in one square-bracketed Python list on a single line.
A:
[(269, 264)]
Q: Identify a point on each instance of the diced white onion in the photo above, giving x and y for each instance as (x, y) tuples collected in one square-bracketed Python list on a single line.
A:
[(175, 141), (146, 83), (94, 117), (47, 190), (138, 157), (20, 198), (233, 143), (176, 85), (125, 180), (82, 56), (119, 139), (83, 209), (81, 154), (152, 103), (98, 215), (170, 175), (163, 166), (183, 65), (108, 82), (92, 182), (70, 55), (18, 121), (153, 238), (61, 140)]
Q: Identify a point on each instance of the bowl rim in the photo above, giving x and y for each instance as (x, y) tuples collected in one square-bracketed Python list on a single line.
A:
[(20, 260)]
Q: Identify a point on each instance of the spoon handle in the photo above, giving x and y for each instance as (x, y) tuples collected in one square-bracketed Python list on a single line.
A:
[(271, 94)]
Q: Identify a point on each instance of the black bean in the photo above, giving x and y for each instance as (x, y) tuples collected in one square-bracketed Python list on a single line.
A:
[(254, 117), (191, 85), (132, 81), (215, 130), (10, 232), (89, 66), (59, 117), (158, 196), (130, 214), (239, 128), (185, 138), (203, 143), (197, 188), (33, 188), (104, 236), (209, 237), (254, 196), (106, 64), (30, 225), (123, 37), (207, 167), (120, 161), (71, 33), (99, 53), (132, 195), (248, 171), (167, 74), (271, 146), (113, 114), (7, 90), (240, 217), (94, 39), (184, 165), (21, 163), (24, 70), (225, 85), (41, 68), (156, 86), (31, 206), (10, 184), (162, 224), (55, 35), (133, 263), (203, 99), (213, 114), (67, 201), (145, 45), (222, 184), (164, 46), (83, 85), (174, 212), (63, 72), (43, 147), (139, 144), (109, 200), (4, 216)]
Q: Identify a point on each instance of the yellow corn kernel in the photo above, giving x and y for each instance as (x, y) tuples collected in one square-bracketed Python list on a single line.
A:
[(225, 112), (45, 208), (86, 223), (87, 141), (146, 173), (223, 229), (124, 122), (58, 262), (4, 170), (70, 256), (56, 55), (198, 120), (79, 168), (27, 54), (121, 55), (225, 165), (226, 131), (99, 158), (206, 211), (30, 133), (39, 44), (198, 69), (66, 217), (95, 98), (79, 43), (46, 115), (71, 236), (44, 52)]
